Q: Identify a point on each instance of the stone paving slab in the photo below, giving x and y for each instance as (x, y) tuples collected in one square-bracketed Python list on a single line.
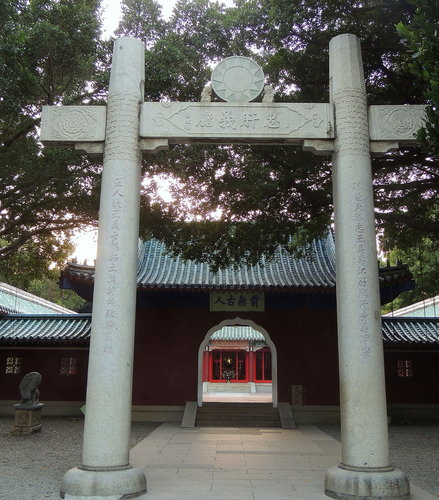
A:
[(238, 463)]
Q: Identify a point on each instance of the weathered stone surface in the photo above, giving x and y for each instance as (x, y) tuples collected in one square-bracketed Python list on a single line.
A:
[(365, 473), (70, 124), (29, 391), (237, 79), (184, 122), (386, 484), (27, 421), (105, 469), (395, 123)]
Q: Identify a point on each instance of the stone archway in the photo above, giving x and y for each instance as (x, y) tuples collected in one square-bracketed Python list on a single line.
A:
[(235, 322)]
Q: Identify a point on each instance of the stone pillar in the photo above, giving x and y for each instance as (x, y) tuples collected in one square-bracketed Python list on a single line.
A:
[(105, 470), (365, 471)]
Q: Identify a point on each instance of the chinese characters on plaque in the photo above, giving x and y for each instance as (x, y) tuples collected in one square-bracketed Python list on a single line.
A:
[(237, 301)]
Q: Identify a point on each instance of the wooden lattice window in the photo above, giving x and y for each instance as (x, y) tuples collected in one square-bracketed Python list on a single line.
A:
[(13, 365), (405, 368), (68, 366)]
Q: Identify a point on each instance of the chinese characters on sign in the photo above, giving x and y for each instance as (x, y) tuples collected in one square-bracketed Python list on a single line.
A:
[(231, 120), (237, 301)]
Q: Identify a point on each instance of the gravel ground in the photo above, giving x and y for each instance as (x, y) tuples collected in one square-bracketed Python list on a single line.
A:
[(414, 449), (38, 461)]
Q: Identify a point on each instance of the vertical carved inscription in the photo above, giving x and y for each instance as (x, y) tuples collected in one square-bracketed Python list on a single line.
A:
[(122, 145), (363, 299), (113, 278)]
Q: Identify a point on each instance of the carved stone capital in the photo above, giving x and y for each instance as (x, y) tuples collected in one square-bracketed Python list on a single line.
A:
[(395, 123), (71, 124)]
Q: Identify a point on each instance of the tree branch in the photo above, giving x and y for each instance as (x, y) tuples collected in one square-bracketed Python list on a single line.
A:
[(408, 220)]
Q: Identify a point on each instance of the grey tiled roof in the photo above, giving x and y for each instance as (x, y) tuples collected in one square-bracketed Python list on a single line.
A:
[(45, 329), (64, 329), (13, 300), (157, 269), (413, 332), (237, 333)]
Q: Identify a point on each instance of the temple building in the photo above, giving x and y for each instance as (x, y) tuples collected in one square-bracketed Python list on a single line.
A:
[(266, 333)]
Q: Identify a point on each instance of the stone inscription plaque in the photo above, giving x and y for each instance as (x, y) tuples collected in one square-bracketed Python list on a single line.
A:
[(235, 122), (237, 301), (70, 124)]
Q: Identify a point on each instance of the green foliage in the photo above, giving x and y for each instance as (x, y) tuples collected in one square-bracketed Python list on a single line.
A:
[(423, 263), (248, 198), (282, 191), (34, 260), (48, 289), (421, 36), (48, 54)]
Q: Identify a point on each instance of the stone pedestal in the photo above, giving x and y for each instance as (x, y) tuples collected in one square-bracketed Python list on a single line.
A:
[(27, 420)]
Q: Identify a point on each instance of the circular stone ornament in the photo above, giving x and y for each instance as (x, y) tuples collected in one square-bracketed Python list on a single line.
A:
[(237, 79)]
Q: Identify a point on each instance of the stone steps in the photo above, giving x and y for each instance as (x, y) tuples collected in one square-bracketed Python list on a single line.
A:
[(238, 415), (224, 387)]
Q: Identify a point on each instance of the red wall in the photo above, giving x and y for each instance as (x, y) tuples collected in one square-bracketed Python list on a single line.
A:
[(166, 360), (167, 343), (54, 387), (423, 387)]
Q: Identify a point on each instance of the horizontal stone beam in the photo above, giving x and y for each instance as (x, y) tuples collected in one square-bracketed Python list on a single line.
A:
[(267, 123), (396, 123), (263, 123), (72, 124)]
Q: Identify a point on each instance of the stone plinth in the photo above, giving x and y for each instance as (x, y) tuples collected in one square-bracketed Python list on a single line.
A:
[(27, 420)]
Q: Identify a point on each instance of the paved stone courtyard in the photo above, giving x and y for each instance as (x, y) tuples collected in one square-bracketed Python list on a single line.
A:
[(32, 466)]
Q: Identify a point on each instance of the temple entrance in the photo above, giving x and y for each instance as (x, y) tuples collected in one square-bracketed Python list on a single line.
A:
[(237, 363)]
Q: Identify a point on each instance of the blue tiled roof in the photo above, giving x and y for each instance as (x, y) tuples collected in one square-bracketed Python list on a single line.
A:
[(13, 300), (413, 332), (45, 329)]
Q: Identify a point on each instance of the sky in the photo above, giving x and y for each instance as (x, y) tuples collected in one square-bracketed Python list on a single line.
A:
[(86, 242), (112, 13)]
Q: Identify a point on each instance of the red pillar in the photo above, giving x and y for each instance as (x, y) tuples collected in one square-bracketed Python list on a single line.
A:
[(205, 374), (251, 366)]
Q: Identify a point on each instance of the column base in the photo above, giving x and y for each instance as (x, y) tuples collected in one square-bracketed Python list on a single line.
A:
[(82, 484), (350, 483)]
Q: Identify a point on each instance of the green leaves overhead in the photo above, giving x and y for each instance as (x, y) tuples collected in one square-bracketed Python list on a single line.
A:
[(421, 36), (277, 192), (47, 56), (248, 198)]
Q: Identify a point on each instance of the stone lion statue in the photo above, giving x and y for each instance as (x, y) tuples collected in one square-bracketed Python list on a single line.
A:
[(29, 390)]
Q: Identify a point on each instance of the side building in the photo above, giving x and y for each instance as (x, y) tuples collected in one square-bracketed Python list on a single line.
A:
[(265, 330)]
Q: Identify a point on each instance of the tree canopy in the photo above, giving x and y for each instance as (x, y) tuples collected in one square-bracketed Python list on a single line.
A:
[(229, 203), (48, 55), (250, 198)]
